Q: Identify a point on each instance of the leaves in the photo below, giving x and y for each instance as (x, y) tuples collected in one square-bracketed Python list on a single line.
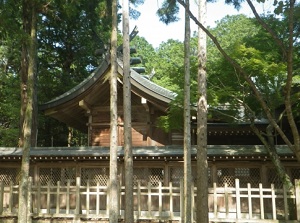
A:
[(168, 12)]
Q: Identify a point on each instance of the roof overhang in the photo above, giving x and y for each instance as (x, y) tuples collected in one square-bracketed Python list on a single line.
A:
[(67, 108), (152, 153)]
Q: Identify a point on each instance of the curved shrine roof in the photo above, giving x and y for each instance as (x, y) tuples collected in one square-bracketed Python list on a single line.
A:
[(95, 91)]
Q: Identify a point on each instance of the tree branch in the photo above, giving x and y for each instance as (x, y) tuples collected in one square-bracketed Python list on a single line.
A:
[(248, 80), (268, 29)]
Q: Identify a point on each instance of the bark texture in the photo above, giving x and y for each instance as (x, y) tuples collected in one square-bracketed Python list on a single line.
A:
[(202, 165), (187, 213), (113, 162), (129, 217), (29, 70)]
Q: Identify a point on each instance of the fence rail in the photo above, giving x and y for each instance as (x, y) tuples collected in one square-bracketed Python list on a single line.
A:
[(226, 204)]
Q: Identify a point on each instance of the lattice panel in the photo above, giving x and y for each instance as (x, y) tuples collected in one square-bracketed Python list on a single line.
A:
[(295, 174), (225, 176), (53, 175), (146, 175), (248, 175), (245, 176), (273, 178), (95, 175), (8, 175), (176, 174)]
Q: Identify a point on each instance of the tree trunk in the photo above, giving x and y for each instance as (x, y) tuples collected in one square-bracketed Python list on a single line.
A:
[(30, 19), (202, 165), (129, 217), (293, 145), (25, 60), (187, 125), (113, 165)]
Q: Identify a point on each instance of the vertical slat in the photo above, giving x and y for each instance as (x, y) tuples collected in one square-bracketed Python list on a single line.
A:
[(181, 201), (159, 198), (10, 196), (261, 202), (57, 197), (238, 199), (68, 197), (286, 207), (249, 200), (48, 197), (1, 196), (149, 199), (107, 198), (297, 193), (273, 202), (88, 197), (77, 196), (97, 199), (215, 200), (139, 200), (226, 200), (38, 203), (171, 200)]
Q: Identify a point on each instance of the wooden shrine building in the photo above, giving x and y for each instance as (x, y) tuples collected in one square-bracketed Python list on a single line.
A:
[(233, 151)]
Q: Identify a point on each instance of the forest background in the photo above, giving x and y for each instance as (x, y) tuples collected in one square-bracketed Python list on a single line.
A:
[(70, 33)]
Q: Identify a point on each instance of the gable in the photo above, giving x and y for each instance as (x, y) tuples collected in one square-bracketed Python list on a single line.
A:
[(72, 107)]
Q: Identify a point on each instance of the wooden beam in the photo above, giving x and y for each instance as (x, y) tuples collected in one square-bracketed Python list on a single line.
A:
[(83, 104), (145, 104)]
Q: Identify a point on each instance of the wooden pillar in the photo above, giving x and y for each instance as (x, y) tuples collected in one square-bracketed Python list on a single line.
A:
[(264, 175), (83, 104), (214, 174), (166, 175)]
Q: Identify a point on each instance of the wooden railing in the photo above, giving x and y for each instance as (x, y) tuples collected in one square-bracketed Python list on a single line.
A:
[(226, 204)]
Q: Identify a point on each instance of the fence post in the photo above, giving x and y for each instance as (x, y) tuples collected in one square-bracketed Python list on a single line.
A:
[(77, 196), (181, 201), (139, 199), (149, 199), (77, 208), (297, 194), (11, 192), (237, 198), (1, 196)]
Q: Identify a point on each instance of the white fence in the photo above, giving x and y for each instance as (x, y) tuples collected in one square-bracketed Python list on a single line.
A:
[(226, 204)]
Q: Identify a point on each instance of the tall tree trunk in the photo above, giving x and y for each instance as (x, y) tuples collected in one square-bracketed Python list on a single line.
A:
[(29, 19), (113, 165), (129, 217), (294, 145), (187, 124), (202, 165), (288, 86), (24, 66)]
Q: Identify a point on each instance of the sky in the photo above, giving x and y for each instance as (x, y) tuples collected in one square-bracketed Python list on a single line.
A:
[(155, 32)]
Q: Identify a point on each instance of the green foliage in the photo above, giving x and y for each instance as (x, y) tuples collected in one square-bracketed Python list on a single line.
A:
[(145, 51), (9, 109), (174, 118), (168, 11), (133, 13), (248, 44), (10, 34)]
